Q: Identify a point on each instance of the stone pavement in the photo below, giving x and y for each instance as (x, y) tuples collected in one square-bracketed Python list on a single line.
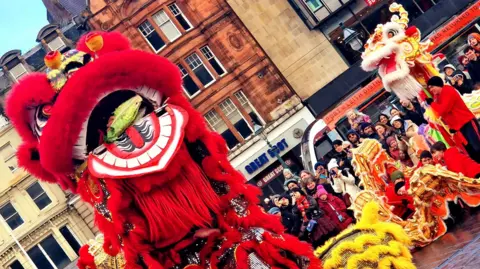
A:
[(458, 249)]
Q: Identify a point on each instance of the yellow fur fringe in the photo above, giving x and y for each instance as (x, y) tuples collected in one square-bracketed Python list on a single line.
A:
[(378, 245)]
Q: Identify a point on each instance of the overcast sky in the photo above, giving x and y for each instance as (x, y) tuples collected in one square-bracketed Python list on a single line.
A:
[(20, 21)]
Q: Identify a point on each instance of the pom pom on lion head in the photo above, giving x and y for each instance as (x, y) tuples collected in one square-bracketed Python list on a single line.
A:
[(63, 115)]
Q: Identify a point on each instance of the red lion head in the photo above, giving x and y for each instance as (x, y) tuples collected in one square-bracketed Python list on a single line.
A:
[(163, 182)]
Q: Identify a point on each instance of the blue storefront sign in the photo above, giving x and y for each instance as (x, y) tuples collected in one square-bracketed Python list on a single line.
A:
[(265, 157)]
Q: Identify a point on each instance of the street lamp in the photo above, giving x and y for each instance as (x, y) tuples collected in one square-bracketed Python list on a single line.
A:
[(350, 37), (259, 130)]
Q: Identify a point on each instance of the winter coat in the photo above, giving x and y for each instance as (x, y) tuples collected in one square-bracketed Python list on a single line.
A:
[(291, 222), (334, 206), (459, 162), (416, 115), (345, 183), (450, 106)]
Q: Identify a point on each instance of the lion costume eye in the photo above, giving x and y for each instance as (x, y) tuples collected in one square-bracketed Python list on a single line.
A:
[(42, 114), (392, 33)]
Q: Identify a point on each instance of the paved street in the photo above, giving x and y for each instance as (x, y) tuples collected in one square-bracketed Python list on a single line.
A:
[(458, 249)]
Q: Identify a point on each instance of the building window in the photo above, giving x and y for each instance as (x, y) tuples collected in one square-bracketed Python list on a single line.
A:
[(200, 70), (49, 254), (213, 60), (218, 125), (190, 87), (11, 216), (314, 5), (153, 38), (18, 71), (38, 195), (57, 44), (247, 106), (7, 152), (181, 18), (236, 118), (70, 238), (166, 25), (16, 265)]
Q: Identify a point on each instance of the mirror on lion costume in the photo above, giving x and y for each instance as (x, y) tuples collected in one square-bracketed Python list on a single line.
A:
[(431, 188), (405, 65), (111, 124)]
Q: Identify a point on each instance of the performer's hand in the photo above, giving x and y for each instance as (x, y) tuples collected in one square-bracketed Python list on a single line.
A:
[(429, 101)]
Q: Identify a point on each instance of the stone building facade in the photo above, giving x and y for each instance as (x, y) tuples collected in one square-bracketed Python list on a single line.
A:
[(41, 226)]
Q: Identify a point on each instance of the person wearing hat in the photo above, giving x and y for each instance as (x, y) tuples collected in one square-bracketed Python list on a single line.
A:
[(321, 171), (396, 193), (368, 131), (448, 70), (354, 138), (343, 183), (461, 83), (334, 208), (450, 107)]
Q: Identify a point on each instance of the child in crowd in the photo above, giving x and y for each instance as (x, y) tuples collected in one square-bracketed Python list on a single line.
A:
[(426, 158), (355, 118), (397, 197), (334, 208), (455, 160)]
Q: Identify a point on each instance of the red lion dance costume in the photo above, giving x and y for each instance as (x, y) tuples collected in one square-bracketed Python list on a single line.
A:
[(164, 192)]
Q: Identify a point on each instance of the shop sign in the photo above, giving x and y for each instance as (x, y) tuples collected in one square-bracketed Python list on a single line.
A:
[(371, 2), (438, 38), (452, 27), (272, 175), (354, 101), (266, 156)]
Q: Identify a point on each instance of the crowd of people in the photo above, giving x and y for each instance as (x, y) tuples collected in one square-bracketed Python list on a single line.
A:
[(316, 206)]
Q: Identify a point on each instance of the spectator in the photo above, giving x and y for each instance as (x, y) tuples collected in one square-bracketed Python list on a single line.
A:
[(393, 148), (290, 221), (473, 65), (426, 158), (384, 118), (461, 83), (334, 208), (343, 183), (474, 41), (318, 226), (395, 112), (383, 132), (287, 173), (268, 204), (355, 118), (321, 172), (449, 106), (368, 131), (405, 159), (354, 138), (463, 60), (307, 176), (448, 70), (413, 112), (291, 184), (397, 197), (405, 128), (455, 160)]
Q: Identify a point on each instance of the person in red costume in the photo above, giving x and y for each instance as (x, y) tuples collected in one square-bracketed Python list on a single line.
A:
[(455, 160), (397, 196), (450, 107)]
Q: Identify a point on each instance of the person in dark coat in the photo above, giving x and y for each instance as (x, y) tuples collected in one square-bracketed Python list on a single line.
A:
[(354, 138), (461, 83), (384, 118), (413, 112), (450, 107), (473, 65), (318, 227), (369, 131), (334, 208), (290, 221)]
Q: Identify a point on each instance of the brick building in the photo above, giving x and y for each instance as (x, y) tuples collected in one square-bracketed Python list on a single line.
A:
[(227, 76)]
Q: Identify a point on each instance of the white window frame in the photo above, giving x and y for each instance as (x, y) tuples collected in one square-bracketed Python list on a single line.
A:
[(46, 254), (8, 158), (239, 95), (5, 220), (161, 18), (232, 105), (214, 116), (175, 9), (143, 31), (208, 54), (185, 73), (59, 48), (23, 73), (44, 192), (195, 61)]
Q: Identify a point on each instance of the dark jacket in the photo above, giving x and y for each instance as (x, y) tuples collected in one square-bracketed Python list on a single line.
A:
[(416, 115), (467, 85), (474, 70)]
